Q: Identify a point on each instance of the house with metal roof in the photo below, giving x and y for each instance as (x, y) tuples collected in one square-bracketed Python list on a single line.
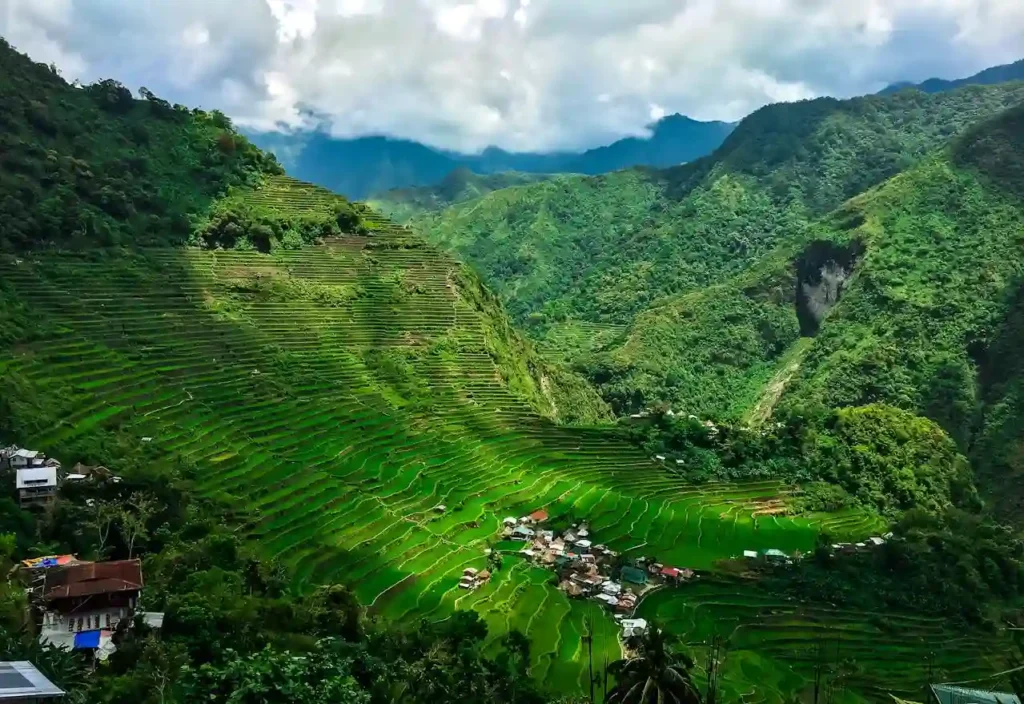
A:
[(84, 602), (952, 694), (633, 627), (522, 533), (21, 682), (37, 486), (26, 458), (634, 575)]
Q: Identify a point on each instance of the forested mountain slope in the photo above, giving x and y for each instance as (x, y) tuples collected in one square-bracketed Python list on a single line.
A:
[(94, 165), (604, 248), (459, 186), (908, 295), (932, 311)]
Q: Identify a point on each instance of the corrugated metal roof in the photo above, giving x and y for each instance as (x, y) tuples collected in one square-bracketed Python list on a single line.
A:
[(91, 578), (951, 694), (22, 681), (37, 476)]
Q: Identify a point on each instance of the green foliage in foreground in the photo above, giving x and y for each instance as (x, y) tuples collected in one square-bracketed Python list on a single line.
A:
[(233, 631), (94, 165), (655, 673)]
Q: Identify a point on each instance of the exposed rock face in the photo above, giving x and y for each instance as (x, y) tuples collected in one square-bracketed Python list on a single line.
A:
[(822, 273)]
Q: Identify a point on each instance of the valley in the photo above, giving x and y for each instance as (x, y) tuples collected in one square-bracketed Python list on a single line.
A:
[(320, 413), (337, 428)]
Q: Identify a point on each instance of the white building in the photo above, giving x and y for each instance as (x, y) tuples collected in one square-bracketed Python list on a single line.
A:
[(26, 458), (613, 588), (37, 486), (633, 627), (522, 533)]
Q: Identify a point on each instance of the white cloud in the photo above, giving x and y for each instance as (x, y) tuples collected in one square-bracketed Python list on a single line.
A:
[(545, 74)]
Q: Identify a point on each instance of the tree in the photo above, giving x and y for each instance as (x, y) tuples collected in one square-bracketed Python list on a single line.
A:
[(134, 517), (271, 676), (494, 561), (104, 515), (655, 673)]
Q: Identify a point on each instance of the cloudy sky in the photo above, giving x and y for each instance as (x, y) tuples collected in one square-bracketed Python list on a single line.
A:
[(519, 74)]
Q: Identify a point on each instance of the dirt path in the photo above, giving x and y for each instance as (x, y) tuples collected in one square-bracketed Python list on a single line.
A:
[(762, 410)]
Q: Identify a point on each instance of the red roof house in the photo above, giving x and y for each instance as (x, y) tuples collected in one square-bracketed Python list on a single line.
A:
[(89, 579), (539, 516)]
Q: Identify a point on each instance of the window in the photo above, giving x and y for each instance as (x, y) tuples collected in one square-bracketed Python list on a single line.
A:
[(71, 625), (79, 626), (108, 620)]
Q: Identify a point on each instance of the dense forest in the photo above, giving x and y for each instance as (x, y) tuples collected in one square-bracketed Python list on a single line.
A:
[(88, 165), (605, 248)]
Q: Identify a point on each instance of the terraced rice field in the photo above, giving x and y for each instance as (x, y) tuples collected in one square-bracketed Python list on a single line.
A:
[(772, 645), (339, 394)]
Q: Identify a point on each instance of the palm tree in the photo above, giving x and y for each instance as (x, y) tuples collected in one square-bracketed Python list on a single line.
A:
[(654, 674)]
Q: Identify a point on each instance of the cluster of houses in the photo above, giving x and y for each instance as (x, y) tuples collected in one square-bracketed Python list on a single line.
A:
[(473, 578), (38, 477), (591, 571), (35, 475), (869, 544), (81, 603), (778, 557)]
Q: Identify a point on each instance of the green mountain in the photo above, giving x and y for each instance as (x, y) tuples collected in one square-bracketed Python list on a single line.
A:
[(96, 165), (373, 165), (459, 186), (91, 167), (604, 249), (990, 76), (893, 298)]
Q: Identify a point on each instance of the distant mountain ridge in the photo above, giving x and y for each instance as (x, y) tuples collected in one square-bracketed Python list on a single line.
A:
[(990, 76), (367, 165), (459, 186)]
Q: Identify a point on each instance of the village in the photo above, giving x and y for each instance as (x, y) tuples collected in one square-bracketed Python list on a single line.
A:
[(588, 570), (78, 604), (37, 477)]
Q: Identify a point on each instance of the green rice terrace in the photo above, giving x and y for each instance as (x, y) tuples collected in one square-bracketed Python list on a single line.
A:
[(341, 394)]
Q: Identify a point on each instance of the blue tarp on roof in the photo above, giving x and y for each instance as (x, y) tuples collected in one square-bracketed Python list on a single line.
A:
[(87, 639)]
